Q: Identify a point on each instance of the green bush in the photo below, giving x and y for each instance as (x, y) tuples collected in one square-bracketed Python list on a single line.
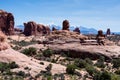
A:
[(100, 62), (89, 61), (23, 43), (91, 70), (116, 63), (17, 47), (29, 51), (71, 69), (48, 52), (80, 63), (49, 67), (21, 73), (102, 76), (117, 72), (13, 65)]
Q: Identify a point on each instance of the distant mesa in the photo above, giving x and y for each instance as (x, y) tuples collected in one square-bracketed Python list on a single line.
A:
[(6, 22), (31, 28)]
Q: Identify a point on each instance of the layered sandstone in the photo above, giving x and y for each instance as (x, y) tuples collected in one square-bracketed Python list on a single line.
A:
[(6, 22), (31, 28)]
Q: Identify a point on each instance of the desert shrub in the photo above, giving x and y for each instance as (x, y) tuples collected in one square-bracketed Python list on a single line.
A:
[(101, 59), (80, 63), (71, 69), (49, 67), (100, 62), (48, 52), (91, 70), (16, 47), (13, 65), (53, 60), (89, 61), (42, 63), (23, 43), (103, 76), (117, 72), (26, 68), (49, 78), (3, 67), (29, 51), (21, 73), (116, 63), (115, 77)]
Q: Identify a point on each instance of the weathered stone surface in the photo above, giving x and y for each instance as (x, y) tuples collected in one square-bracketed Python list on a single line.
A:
[(80, 51), (65, 25), (77, 30), (31, 28), (65, 35), (6, 22)]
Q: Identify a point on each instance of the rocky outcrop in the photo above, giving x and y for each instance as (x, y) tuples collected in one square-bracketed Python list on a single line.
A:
[(31, 28), (65, 25), (77, 30), (6, 22), (108, 32), (100, 37), (23, 61), (65, 35), (80, 51)]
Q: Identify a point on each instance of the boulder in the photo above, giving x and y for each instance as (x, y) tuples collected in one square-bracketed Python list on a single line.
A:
[(108, 32), (77, 30), (65, 25), (6, 22), (31, 28)]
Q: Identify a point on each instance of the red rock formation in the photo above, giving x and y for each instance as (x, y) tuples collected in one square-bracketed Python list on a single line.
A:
[(6, 22), (65, 25), (31, 28), (76, 30), (100, 37), (108, 31)]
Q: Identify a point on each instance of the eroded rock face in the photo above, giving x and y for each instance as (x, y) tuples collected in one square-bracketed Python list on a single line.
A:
[(77, 30), (31, 28), (6, 22), (65, 25)]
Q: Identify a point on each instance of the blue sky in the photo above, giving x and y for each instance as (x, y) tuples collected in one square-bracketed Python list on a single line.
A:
[(98, 14)]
